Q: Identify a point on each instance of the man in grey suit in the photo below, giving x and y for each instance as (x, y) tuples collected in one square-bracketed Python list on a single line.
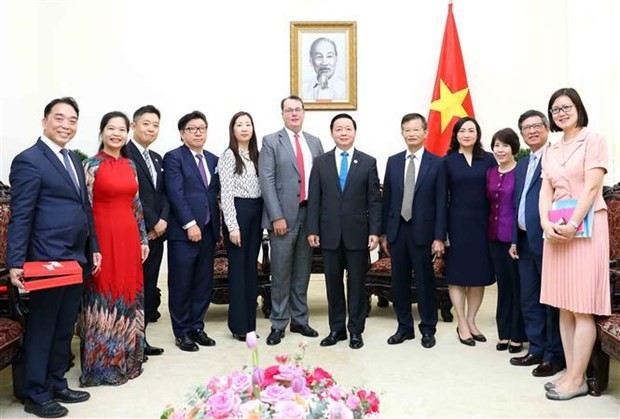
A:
[(284, 166)]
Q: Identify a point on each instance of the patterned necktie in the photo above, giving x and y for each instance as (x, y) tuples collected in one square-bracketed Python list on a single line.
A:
[(149, 165), (344, 169), (65, 156), (407, 205), (302, 171), (531, 168), (203, 176)]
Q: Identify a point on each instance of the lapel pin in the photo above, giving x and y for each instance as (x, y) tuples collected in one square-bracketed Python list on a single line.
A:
[(354, 161)]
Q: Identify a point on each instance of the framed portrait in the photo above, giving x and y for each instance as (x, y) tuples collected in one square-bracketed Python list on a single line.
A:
[(324, 64)]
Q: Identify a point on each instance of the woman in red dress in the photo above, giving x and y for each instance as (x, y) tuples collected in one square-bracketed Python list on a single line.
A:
[(111, 321)]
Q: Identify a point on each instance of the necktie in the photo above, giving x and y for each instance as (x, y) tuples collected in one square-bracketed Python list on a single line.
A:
[(531, 168), (149, 165), (344, 169), (302, 172), (65, 156), (203, 176), (407, 205)]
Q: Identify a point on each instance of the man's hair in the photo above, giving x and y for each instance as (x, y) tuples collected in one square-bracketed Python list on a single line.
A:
[(410, 117), (318, 41), (528, 114), (509, 137), (188, 117), (342, 116), (291, 97), (582, 115), (66, 100), (146, 109)]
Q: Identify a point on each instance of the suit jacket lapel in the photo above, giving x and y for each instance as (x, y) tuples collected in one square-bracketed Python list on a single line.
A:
[(286, 143), (157, 164), (49, 154), (211, 167), (139, 160), (353, 165), (424, 166), (536, 174), (190, 160)]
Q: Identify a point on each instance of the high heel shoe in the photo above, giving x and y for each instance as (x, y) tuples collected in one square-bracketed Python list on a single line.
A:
[(468, 341), (515, 349), (479, 338)]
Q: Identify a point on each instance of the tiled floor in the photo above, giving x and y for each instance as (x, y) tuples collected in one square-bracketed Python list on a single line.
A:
[(450, 380)]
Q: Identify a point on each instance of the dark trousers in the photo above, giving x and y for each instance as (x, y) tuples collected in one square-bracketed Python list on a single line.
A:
[(406, 256), (356, 264), (151, 266), (190, 281), (47, 342), (242, 266), (542, 322), (508, 315)]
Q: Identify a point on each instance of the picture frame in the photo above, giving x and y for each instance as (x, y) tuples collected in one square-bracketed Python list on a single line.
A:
[(324, 64)]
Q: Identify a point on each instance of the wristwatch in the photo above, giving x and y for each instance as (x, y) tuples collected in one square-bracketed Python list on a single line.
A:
[(574, 224)]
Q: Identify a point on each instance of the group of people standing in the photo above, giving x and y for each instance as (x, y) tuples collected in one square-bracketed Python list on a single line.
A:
[(113, 215)]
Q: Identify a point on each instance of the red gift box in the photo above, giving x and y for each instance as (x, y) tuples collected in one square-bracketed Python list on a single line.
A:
[(51, 274)]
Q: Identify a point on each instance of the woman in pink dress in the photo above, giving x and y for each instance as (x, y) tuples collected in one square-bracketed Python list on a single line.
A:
[(575, 271)]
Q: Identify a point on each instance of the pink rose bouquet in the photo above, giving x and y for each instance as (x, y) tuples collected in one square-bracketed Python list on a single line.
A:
[(283, 390)]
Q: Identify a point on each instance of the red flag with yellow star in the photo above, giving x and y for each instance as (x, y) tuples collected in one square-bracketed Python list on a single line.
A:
[(451, 98)]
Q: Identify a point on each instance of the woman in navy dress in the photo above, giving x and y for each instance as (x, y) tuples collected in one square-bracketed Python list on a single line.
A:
[(468, 262)]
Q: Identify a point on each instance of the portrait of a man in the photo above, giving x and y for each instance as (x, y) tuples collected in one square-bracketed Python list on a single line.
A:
[(324, 83)]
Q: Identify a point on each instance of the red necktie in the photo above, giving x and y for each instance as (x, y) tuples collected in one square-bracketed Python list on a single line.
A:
[(302, 173)]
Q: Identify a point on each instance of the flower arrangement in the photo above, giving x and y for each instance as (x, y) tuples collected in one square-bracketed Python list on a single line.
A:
[(284, 390)]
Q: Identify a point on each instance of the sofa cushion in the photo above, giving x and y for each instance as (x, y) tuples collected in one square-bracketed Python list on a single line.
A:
[(609, 334), (10, 340)]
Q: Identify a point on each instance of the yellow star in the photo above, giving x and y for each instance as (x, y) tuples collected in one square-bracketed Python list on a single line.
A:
[(449, 104)]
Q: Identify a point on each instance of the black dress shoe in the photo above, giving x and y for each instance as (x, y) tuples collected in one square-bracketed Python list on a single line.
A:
[(304, 329), (468, 341), (152, 350), (356, 341), (515, 349), (71, 396), (275, 336), (501, 346), (526, 360), (201, 338), (239, 337), (479, 338), (49, 409), (400, 337), (547, 369), (428, 341), (186, 344), (152, 318), (333, 338)]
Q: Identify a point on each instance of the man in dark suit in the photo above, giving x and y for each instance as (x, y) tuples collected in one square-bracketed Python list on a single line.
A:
[(192, 184), (284, 165), (541, 321), (344, 219), (51, 220), (414, 228), (155, 206)]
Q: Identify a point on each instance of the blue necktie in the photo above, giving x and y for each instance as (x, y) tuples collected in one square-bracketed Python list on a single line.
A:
[(203, 176), (344, 169), (531, 168), (65, 156)]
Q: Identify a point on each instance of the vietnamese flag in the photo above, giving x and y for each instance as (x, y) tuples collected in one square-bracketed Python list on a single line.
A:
[(451, 99)]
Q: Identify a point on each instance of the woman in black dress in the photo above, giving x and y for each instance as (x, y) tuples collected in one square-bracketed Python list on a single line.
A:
[(468, 262)]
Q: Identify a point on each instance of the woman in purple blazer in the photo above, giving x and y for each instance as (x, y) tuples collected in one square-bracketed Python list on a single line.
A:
[(500, 194)]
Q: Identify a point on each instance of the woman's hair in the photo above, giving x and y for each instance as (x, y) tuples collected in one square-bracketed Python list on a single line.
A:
[(509, 137), (233, 144), (478, 151), (582, 115), (104, 121)]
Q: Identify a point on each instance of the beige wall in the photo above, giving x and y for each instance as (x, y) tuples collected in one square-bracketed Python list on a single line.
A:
[(189, 54)]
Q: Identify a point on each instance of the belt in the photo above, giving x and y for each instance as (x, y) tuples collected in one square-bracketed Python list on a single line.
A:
[(303, 204)]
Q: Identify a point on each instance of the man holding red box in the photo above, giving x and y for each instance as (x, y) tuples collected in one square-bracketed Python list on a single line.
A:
[(51, 220)]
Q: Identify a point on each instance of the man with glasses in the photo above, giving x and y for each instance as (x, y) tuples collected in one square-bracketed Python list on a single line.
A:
[(192, 185), (284, 165), (541, 321)]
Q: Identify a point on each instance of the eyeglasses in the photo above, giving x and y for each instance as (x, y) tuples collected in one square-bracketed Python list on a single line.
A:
[(534, 127), (290, 110), (194, 130), (563, 108)]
